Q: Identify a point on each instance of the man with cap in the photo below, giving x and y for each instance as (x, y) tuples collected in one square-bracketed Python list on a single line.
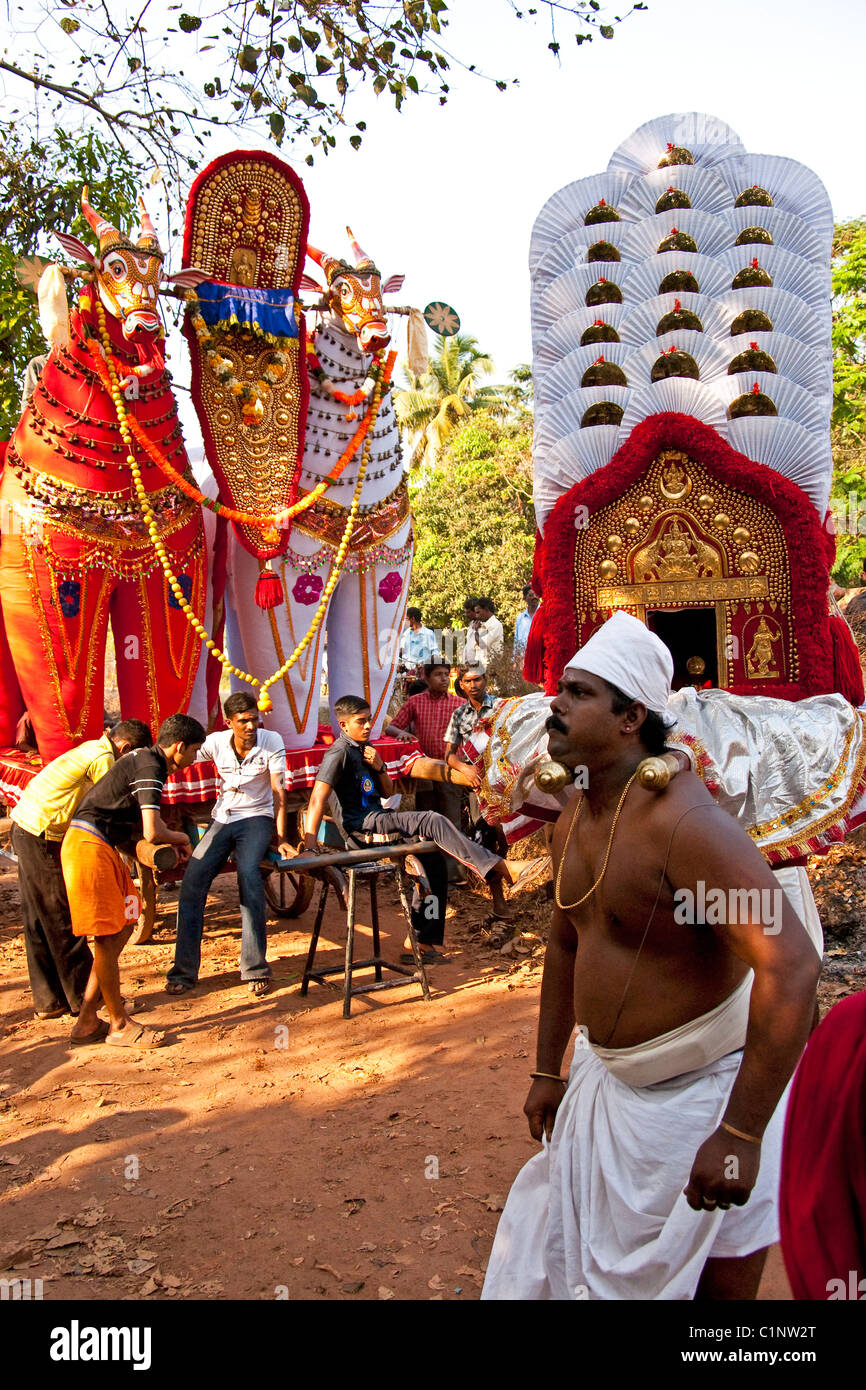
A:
[(693, 991)]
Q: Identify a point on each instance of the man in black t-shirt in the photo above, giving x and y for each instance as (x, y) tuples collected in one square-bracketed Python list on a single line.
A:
[(123, 807), (354, 771)]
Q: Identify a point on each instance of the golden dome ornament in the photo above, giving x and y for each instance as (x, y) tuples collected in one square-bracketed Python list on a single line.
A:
[(654, 774), (551, 777)]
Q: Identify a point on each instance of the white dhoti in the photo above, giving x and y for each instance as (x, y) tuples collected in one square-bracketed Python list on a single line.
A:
[(600, 1212)]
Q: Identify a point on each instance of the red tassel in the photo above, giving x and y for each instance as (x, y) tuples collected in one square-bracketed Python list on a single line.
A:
[(847, 671), (533, 658), (269, 589)]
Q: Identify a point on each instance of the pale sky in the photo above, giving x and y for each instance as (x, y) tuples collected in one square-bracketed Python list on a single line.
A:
[(447, 195)]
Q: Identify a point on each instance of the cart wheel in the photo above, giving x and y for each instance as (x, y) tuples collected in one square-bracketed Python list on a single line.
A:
[(144, 927), (288, 894)]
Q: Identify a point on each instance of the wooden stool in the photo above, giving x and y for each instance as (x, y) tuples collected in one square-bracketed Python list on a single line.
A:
[(372, 873)]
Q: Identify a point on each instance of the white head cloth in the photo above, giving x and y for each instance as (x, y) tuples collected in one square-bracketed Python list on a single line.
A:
[(629, 656)]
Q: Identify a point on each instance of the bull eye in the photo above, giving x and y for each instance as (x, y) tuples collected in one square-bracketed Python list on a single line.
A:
[(117, 268), (345, 291)]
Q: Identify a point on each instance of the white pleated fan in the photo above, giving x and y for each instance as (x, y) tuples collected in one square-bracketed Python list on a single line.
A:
[(708, 139), (554, 422), (709, 356), (566, 376), (792, 186), (804, 458), (571, 250), (565, 335), (788, 231), (787, 271), (675, 394), (639, 321), (706, 191), (577, 456), (802, 365), (713, 278), (790, 400), (567, 208), (787, 313), (712, 233), (568, 292)]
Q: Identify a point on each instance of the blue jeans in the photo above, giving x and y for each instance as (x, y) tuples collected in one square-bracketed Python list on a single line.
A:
[(248, 840)]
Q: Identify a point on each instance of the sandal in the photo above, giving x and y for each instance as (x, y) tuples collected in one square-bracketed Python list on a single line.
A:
[(427, 957), (52, 1013), (99, 1033), (136, 1035), (178, 987), (259, 987)]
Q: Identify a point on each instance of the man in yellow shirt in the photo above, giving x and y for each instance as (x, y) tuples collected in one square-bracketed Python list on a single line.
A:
[(58, 962)]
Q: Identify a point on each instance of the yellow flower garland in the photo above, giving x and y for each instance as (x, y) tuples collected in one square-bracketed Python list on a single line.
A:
[(264, 702)]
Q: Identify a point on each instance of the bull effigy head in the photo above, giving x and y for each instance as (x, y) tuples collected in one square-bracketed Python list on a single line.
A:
[(127, 273), (355, 295)]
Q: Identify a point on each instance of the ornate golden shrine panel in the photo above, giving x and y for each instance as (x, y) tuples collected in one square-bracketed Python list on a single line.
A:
[(680, 538)]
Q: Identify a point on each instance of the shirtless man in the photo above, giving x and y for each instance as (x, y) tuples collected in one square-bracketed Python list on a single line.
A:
[(657, 1134)]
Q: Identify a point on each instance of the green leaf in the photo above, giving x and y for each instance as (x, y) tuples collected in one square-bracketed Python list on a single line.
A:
[(606, 31), (69, 25), (248, 58), (277, 123), (189, 23), (322, 63)]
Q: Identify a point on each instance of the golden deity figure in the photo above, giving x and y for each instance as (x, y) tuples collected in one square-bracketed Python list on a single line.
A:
[(760, 658)]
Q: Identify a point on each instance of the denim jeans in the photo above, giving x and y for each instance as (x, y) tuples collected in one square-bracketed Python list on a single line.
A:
[(248, 840)]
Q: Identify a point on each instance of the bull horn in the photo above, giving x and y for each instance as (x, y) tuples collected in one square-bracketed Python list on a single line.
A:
[(328, 263), (148, 240), (101, 227), (361, 257)]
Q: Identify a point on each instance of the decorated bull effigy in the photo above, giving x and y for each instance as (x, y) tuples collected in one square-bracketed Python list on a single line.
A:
[(309, 532), (301, 436), (681, 329), (94, 525)]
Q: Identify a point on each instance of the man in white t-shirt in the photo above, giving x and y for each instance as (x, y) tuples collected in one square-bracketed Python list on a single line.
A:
[(251, 763), (485, 640)]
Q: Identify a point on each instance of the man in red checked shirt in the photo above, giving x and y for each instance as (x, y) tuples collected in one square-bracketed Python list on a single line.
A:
[(425, 717)]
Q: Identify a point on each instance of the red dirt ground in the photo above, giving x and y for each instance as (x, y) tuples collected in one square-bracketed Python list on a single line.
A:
[(273, 1149)]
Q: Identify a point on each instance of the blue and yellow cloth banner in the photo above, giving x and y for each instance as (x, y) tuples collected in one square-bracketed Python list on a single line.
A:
[(268, 312)]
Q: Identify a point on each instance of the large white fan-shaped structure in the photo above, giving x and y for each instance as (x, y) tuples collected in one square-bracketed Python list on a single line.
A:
[(788, 320)]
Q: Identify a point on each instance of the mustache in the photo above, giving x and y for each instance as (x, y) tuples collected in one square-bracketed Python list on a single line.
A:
[(554, 724)]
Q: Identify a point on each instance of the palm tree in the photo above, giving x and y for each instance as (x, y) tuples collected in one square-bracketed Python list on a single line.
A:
[(432, 407)]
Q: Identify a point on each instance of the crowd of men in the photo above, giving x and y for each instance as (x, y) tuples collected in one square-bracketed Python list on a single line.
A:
[(481, 642), (79, 823)]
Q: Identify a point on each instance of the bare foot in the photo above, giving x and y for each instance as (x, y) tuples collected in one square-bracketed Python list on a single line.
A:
[(500, 907)]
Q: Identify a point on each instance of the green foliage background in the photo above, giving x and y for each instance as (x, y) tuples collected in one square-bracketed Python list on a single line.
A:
[(475, 523), (848, 432)]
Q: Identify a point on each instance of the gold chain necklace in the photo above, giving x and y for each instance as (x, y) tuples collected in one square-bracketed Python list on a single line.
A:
[(569, 907)]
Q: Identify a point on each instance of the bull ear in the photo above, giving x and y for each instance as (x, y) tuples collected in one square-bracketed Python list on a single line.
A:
[(187, 279), (308, 283), (76, 248), (394, 284)]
